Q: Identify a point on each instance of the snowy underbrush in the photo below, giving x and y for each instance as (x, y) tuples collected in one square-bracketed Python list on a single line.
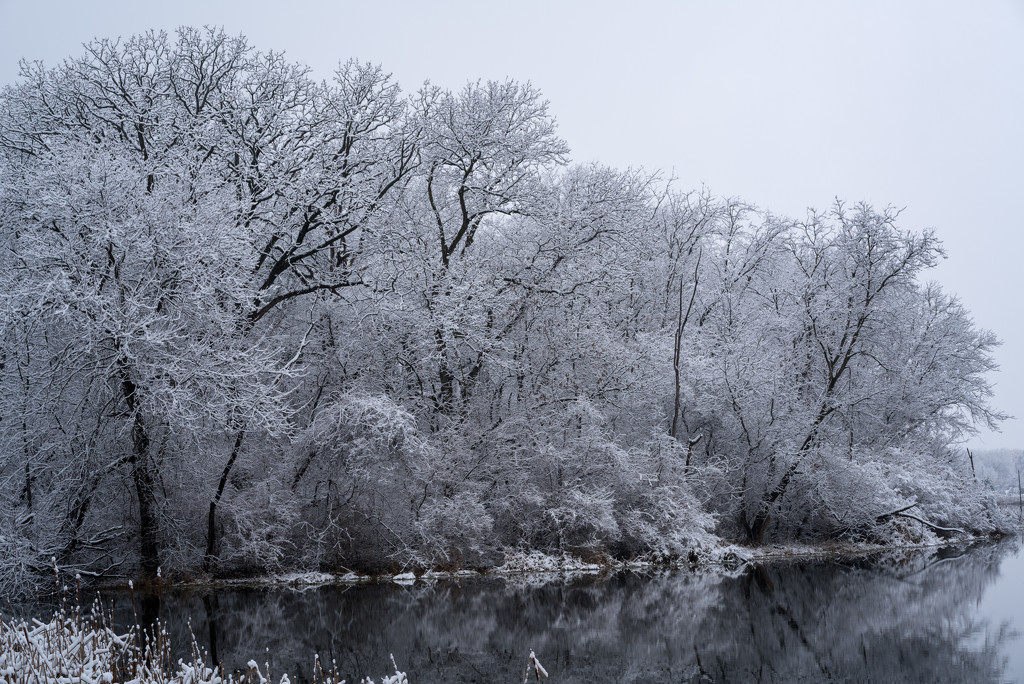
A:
[(376, 493), (19, 562), (590, 492), (69, 649), (898, 497), (370, 489)]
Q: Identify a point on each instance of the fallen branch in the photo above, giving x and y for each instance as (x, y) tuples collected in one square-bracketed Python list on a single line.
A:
[(931, 525), (896, 512)]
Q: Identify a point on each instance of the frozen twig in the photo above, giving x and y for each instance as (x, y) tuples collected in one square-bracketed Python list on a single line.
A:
[(533, 664)]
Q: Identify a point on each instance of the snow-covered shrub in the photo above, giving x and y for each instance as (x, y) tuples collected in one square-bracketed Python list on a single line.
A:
[(375, 491), (354, 478), (834, 495), (892, 495), (261, 524), (20, 561), (579, 489), (668, 520), (454, 531), (583, 518), (663, 507), (945, 491)]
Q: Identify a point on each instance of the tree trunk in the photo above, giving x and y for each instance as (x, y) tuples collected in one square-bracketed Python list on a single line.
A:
[(211, 520), (445, 399), (677, 346), (142, 477)]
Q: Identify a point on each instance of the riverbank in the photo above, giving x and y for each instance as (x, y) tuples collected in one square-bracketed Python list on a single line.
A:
[(726, 558)]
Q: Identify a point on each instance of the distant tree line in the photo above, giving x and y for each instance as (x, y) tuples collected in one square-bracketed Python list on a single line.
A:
[(1000, 469), (252, 320)]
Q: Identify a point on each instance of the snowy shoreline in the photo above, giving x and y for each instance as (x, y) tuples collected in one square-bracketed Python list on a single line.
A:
[(726, 559)]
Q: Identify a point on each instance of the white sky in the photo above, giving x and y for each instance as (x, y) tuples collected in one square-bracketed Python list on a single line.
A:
[(786, 104)]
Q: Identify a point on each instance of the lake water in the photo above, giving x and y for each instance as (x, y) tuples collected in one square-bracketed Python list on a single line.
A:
[(938, 616)]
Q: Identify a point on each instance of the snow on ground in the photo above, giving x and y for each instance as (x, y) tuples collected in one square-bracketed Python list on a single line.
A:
[(543, 567)]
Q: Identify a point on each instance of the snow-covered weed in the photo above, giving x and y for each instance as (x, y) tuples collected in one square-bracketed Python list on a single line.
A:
[(59, 650), (71, 649), (533, 665)]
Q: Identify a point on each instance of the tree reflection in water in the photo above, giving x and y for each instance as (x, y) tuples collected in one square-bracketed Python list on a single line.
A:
[(912, 618)]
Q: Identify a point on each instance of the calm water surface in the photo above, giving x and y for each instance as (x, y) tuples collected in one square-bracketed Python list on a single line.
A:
[(942, 616)]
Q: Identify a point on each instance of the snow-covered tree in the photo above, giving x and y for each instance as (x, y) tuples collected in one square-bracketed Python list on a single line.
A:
[(268, 321)]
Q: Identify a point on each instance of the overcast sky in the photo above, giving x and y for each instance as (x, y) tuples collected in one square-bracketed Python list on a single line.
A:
[(787, 105)]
